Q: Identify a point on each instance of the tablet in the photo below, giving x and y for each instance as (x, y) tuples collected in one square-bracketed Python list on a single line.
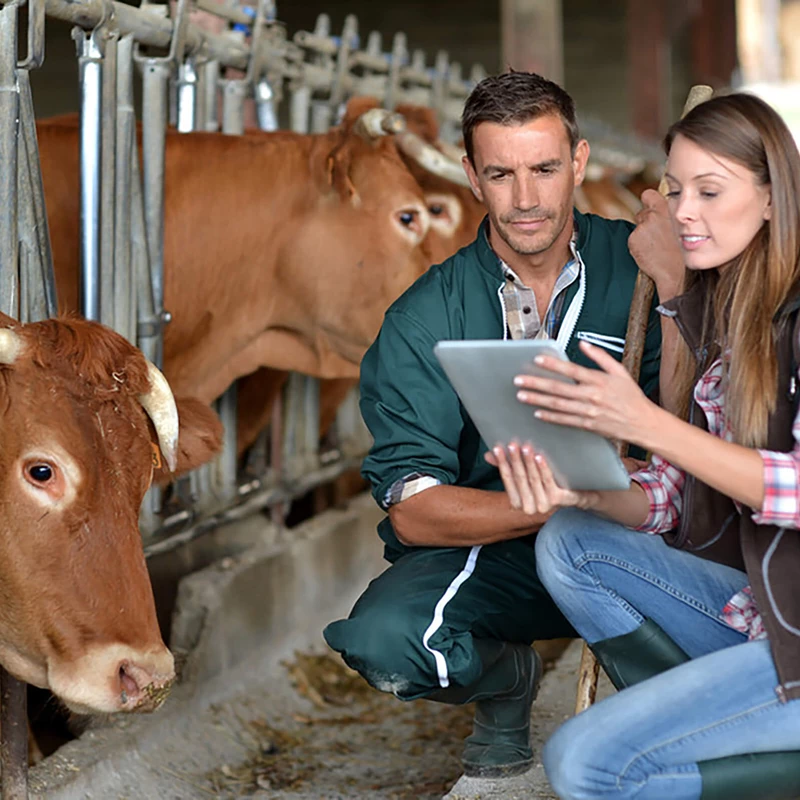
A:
[(482, 373)]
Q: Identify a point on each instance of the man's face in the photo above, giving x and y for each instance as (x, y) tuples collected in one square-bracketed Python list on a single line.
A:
[(525, 175)]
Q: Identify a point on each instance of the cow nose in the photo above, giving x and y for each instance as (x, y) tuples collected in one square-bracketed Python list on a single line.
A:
[(145, 682)]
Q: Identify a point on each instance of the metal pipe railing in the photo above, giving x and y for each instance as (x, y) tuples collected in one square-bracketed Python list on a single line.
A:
[(124, 281), (9, 112), (27, 292), (90, 71), (151, 29), (108, 181), (123, 212)]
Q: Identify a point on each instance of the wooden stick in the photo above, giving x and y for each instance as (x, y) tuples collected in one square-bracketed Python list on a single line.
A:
[(632, 361)]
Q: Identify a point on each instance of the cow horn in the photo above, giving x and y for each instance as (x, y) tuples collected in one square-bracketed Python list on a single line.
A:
[(11, 344), (379, 122), (159, 404), (429, 158), (452, 151)]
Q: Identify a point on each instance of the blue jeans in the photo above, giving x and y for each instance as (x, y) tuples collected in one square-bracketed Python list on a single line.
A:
[(645, 742)]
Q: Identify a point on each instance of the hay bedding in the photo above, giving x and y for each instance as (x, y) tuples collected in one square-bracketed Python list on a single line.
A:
[(352, 742)]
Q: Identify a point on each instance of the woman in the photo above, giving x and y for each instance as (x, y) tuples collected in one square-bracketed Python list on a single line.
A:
[(702, 623)]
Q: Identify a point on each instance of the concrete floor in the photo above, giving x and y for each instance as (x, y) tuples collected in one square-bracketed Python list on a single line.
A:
[(265, 711)]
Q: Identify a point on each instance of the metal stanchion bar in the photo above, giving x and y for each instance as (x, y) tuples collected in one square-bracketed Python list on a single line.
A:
[(226, 464), (47, 305), (310, 432), (124, 282), (32, 297), (265, 106), (150, 29), (210, 120), (299, 106), (9, 112), (200, 94), (187, 96), (108, 182), (233, 97), (277, 509), (90, 71), (148, 328), (154, 132)]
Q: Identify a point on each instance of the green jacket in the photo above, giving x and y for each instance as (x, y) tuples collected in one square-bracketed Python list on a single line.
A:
[(414, 415)]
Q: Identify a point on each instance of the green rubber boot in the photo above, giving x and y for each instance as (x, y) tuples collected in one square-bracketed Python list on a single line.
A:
[(757, 776), (634, 657), (648, 651), (500, 743)]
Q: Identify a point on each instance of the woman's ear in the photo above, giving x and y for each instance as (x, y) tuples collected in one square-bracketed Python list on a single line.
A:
[(768, 208)]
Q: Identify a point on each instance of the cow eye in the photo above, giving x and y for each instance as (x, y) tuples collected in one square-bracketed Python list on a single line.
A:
[(408, 217), (412, 222), (41, 473), (436, 209)]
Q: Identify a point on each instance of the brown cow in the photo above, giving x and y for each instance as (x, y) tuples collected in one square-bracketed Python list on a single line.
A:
[(281, 257), (281, 250), (86, 422), (455, 215)]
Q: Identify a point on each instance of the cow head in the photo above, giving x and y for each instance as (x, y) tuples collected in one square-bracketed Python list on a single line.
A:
[(369, 235), (455, 213), (85, 421), (355, 251)]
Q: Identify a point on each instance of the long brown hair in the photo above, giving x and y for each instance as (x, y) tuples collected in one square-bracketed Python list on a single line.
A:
[(745, 298)]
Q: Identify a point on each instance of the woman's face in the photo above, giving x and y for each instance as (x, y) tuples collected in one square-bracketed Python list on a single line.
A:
[(716, 205)]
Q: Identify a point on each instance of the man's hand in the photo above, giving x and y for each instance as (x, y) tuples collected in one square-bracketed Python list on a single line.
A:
[(633, 464), (655, 246)]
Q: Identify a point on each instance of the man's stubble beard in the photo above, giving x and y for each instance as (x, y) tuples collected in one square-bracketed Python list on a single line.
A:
[(533, 249)]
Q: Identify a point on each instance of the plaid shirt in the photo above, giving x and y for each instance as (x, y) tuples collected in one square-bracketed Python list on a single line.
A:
[(663, 484), (522, 316)]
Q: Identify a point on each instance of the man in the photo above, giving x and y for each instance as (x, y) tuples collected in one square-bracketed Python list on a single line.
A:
[(452, 619)]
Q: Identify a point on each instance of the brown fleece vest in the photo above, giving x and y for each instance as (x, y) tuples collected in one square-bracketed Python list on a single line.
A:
[(710, 525)]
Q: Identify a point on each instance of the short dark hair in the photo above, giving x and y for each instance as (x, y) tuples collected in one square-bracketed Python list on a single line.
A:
[(514, 98)]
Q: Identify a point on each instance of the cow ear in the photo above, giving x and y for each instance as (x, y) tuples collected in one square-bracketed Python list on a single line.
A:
[(338, 171), (421, 119), (200, 438), (356, 106)]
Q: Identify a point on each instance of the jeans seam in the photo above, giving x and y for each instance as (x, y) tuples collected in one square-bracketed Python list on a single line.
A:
[(690, 735), (586, 558)]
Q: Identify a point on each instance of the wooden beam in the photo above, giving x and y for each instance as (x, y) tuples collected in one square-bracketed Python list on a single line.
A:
[(648, 67), (13, 737), (713, 42), (532, 39)]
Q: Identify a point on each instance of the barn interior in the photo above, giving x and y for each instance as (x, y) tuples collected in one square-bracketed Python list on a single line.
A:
[(251, 558)]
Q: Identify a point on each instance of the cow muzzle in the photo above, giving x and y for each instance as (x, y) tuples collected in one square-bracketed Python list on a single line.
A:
[(114, 678)]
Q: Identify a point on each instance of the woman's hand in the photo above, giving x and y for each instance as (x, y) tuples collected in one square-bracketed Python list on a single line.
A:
[(606, 400), (530, 484), (655, 247)]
